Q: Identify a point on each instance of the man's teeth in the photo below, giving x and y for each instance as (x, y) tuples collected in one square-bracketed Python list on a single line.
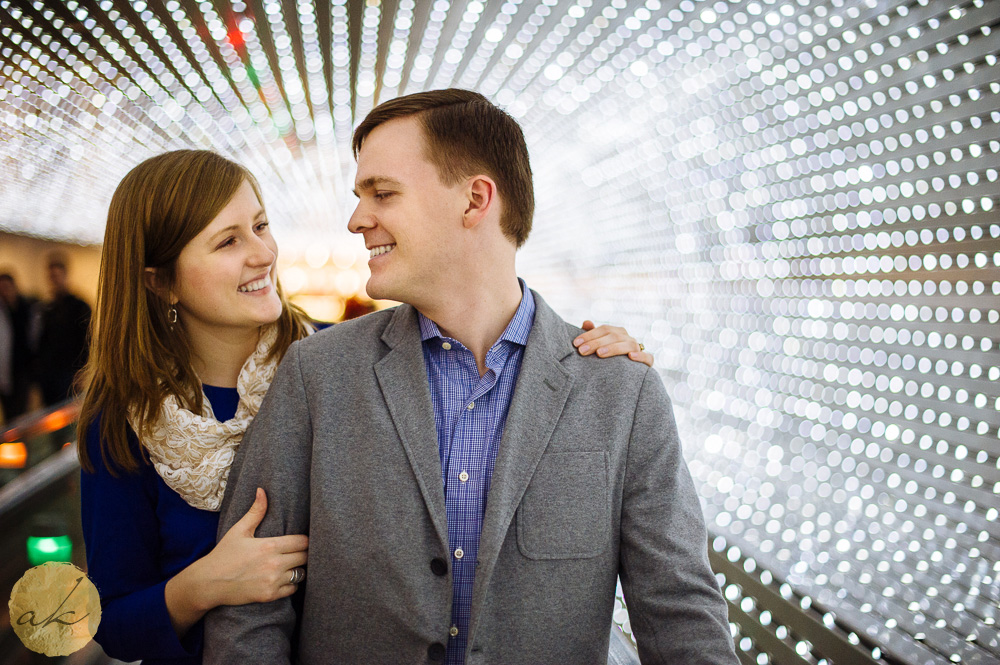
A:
[(256, 286), (381, 249)]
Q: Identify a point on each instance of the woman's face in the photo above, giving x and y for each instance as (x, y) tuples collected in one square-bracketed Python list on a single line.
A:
[(225, 276)]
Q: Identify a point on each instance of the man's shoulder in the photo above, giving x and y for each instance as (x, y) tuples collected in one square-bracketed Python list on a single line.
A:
[(619, 369), (76, 301), (361, 333), (561, 334)]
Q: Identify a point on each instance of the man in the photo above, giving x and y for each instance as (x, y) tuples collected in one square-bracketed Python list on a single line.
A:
[(472, 488), (62, 346), (16, 317)]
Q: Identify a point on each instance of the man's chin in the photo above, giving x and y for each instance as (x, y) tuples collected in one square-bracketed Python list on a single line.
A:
[(379, 290)]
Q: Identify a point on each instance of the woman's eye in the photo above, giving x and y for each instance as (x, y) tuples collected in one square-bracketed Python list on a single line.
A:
[(262, 226), (228, 242)]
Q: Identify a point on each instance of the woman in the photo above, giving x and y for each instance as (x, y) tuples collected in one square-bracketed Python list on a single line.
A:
[(190, 327)]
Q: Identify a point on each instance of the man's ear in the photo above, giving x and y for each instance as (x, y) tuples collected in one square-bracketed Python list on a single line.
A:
[(481, 193), (154, 282)]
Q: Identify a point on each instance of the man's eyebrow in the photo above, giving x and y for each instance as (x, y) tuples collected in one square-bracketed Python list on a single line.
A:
[(370, 183)]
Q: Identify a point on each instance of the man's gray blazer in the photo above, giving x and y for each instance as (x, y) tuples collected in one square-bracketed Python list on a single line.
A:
[(589, 485)]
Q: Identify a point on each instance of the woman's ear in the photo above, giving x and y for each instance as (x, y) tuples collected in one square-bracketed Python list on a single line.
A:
[(154, 282)]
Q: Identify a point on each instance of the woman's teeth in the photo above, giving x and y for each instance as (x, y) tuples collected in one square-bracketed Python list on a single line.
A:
[(256, 286), (381, 249)]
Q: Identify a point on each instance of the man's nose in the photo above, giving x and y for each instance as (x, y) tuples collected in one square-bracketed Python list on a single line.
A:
[(359, 222)]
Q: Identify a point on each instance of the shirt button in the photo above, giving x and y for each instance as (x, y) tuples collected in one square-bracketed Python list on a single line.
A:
[(446, 346), (453, 631), (459, 553), (471, 406), (463, 476)]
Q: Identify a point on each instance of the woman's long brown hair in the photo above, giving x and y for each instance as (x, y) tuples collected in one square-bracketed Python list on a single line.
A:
[(136, 359)]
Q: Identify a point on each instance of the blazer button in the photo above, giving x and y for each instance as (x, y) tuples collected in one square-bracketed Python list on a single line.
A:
[(439, 567), (436, 652)]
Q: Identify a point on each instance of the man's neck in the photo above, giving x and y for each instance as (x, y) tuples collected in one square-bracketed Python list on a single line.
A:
[(476, 314), (218, 354)]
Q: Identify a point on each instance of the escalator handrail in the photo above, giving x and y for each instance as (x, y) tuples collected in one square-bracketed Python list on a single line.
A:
[(832, 642), (41, 422), (621, 651), (51, 471)]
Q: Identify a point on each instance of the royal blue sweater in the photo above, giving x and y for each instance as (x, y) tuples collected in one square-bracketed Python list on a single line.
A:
[(139, 533)]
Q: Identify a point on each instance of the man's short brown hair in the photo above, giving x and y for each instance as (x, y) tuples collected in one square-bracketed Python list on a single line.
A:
[(466, 134)]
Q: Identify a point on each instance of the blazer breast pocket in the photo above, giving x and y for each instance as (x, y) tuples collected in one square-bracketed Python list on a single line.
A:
[(566, 511)]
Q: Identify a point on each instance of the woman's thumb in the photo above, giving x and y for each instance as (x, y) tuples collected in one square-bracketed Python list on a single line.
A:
[(248, 523)]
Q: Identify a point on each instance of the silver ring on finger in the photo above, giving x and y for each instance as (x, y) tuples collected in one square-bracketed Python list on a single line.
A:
[(298, 575)]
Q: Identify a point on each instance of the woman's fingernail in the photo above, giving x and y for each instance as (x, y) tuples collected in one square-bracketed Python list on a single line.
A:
[(584, 348), (578, 341), (602, 351)]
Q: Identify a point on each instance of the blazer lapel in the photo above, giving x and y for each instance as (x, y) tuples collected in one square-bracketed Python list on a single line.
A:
[(403, 379), (542, 389)]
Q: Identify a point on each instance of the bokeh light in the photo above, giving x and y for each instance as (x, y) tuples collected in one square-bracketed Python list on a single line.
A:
[(793, 203)]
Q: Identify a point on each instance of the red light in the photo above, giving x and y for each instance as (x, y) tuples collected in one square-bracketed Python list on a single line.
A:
[(235, 37)]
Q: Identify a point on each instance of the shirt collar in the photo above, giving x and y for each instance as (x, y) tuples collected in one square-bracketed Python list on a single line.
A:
[(517, 330)]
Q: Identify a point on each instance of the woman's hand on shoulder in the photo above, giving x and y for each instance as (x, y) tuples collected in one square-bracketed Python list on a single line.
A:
[(246, 569), (607, 341)]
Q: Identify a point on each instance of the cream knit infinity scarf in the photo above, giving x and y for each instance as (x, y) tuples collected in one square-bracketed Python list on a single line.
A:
[(192, 452)]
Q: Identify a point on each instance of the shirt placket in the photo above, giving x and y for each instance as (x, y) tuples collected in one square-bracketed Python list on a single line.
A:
[(496, 359), (465, 497)]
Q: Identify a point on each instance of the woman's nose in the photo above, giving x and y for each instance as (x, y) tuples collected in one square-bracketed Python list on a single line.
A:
[(262, 253)]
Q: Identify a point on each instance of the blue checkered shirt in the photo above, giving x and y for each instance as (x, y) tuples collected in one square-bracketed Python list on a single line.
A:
[(470, 412)]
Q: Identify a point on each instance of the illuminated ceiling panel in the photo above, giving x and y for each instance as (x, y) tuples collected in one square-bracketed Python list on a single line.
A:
[(794, 205)]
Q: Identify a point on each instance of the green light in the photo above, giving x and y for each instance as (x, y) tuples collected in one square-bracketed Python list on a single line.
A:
[(41, 550), (47, 545)]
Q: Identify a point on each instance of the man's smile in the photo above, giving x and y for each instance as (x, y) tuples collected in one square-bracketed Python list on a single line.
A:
[(379, 250)]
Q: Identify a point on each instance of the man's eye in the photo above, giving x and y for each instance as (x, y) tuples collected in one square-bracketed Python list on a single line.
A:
[(381, 196)]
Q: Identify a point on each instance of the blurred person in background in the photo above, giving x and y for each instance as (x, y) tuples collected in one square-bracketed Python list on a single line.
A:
[(17, 314), (62, 343), (191, 323), (6, 359)]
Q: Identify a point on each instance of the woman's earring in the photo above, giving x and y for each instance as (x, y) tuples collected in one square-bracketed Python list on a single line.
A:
[(172, 316)]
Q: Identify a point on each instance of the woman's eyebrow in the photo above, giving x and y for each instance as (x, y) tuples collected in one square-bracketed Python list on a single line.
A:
[(232, 227), (236, 227)]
